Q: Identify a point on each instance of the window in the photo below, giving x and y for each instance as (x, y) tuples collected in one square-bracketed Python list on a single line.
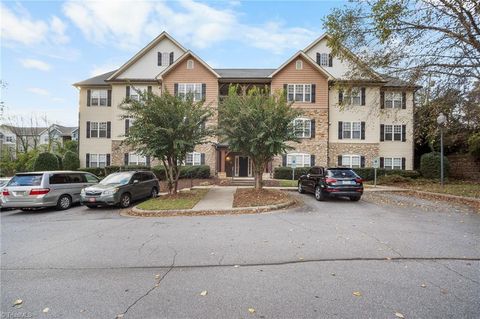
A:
[(98, 129), (352, 97), (190, 89), (393, 100), (134, 92), (190, 64), (98, 160), (299, 65), (9, 139), (302, 127), (299, 92), (301, 160), (324, 57), (98, 98), (135, 159), (193, 159), (392, 163), (393, 132), (352, 130), (91, 178), (352, 161), (166, 58)]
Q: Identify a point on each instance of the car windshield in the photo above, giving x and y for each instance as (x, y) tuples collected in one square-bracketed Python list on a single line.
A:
[(341, 173), (117, 179), (26, 180)]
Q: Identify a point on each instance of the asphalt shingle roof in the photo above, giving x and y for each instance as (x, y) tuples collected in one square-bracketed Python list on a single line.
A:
[(97, 80)]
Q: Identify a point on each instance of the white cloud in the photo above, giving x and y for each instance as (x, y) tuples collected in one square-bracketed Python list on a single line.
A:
[(35, 64), (38, 91), (101, 69), (58, 28)]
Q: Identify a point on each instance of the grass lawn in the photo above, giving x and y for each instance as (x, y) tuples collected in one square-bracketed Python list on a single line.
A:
[(452, 188), (288, 183), (182, 200)]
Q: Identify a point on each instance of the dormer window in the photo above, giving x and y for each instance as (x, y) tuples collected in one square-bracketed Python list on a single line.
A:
[(324, 59), (165, 58), (299, 65), (190, 64)]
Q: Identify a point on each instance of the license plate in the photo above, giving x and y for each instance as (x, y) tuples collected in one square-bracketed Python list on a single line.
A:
[(348, 182), (91, 200), (20, 193)]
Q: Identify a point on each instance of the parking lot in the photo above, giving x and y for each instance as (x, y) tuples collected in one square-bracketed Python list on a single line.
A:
[(383, 255)]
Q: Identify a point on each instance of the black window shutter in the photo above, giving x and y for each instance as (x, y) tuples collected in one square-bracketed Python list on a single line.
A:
[(340, 130), (404, 133), (109, 129), (108, 159), (404, 100), (382, 99), (312, 128), (89, 96), (159, 58), (125, 159), (171, 57), (148, 161), (312, 160), (284, 160), (313, 93), (382, 132), (363, 96), (362, 134), (204, 91), (330, 60), (318, 58), (109, 98), (403, 163), (88, 129), (381, 162), (127, 91), (127, 126), (149, 89), (175, 89), (340, 96), (362, 161), (202, 159), (87, 160), (339, 160)]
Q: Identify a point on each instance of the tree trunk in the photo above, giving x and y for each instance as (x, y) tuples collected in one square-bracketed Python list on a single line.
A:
[(258, 169)]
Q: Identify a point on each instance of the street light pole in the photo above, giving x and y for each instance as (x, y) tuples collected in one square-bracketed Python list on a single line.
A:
[(441, 119)]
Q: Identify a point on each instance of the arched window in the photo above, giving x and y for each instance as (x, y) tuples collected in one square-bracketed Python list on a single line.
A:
[(299, 65), (190, 64)]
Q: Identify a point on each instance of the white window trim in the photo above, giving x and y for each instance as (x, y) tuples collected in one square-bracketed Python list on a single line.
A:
[(305, 159), (134, 96), (299, 65), (392, 162), (347, 160), (392, 127), (136, 159), (324, 59), (97, 94), (11, 138), (97, 163), (196, 159), (392, 97), (190, 64), (351, 130), (197, 89), (348, 96), (303, 133), (304, 95), (98, 129)]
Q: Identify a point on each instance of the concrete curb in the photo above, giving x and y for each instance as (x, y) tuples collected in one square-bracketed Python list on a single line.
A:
[(136, 212), (445, 196)]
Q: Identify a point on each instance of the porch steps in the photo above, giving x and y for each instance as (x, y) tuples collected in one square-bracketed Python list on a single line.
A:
[(242, 182)]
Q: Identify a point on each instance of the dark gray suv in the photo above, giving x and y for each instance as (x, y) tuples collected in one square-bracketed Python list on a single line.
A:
[(121, 189)]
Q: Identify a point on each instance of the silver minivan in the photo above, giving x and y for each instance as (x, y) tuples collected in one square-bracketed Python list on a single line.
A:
[(46, 189)]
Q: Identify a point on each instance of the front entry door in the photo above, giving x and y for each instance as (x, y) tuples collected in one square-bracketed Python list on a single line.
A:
[(243, 166)]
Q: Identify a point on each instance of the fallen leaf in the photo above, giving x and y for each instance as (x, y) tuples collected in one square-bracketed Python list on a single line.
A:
[(423, 285), (157, 276), (17, 302), (399, 315), (300, 258), (236, 266), (357, 293), (120, 316), (46, 310), (203, 293), (251, 310), (333, 274)]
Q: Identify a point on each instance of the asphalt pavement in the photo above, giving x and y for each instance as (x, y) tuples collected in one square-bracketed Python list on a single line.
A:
[(381, 257)]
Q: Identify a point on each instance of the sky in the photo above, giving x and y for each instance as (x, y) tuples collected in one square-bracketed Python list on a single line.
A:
[(48, 46)]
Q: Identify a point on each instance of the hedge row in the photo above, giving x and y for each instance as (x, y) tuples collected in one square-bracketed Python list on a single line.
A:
[(199, 171), (286, 172)]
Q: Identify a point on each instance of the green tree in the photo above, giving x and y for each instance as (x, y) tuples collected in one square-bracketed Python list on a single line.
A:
[(71, 161), (474, 145), (46, 162), (68, 146), (166, 127), (258, 125)]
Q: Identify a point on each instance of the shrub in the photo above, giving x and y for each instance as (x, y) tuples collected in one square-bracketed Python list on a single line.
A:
[(198, 171), (46, 162), (393, 179), (98, 171), (367, 173), (286, 172), (71, 161), (60, 161), (474, 145), (430, 165)]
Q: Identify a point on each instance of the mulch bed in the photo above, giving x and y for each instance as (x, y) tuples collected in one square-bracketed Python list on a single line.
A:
[(249, 197)]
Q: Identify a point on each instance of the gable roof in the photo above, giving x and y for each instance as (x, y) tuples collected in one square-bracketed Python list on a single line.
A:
[(96, 80), (309, 60), (143, 51), (183, 57)]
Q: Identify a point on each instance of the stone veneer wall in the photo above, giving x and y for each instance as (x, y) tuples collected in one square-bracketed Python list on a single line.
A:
[(464, 167), (369, 150)]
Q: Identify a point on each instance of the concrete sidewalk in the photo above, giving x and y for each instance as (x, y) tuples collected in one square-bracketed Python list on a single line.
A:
[(217, 198)]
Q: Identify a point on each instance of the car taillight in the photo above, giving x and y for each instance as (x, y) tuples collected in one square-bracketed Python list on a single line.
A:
[(330, 180), (359, 180), (39, 191), (5, 192)]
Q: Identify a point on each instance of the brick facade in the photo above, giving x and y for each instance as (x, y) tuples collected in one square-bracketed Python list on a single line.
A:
[(369, 150)]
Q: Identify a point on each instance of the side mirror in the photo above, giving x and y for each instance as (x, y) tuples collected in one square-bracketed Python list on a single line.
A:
[(135, 181)]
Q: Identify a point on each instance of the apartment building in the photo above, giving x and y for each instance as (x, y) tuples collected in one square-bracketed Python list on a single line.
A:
[(342, 124)]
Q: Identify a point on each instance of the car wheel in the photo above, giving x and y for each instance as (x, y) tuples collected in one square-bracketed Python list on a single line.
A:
[(355, 198), (64, 202), (300, 188), (125, 200), (154, 193), (319, 195)]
